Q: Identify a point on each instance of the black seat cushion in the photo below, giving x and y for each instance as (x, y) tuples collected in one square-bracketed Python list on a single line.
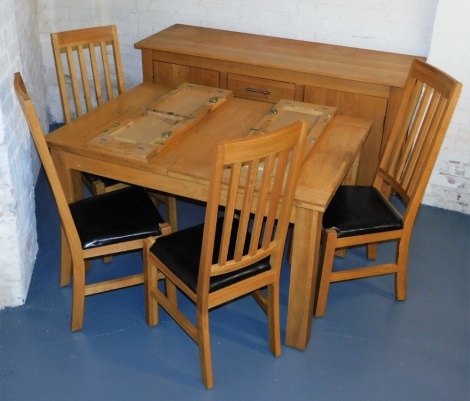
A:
[(114, 217), (358, 210), (181, 251)]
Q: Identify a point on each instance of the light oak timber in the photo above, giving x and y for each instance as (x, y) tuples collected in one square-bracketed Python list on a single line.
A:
[(183, 169)]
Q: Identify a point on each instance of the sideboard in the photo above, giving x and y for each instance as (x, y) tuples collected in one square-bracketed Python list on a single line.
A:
[(361, 83)]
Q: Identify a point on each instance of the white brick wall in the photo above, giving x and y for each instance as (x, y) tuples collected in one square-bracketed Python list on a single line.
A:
[(19, 164), (449, 186)]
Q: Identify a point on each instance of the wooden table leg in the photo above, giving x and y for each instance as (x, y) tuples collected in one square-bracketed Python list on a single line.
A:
[(303, 277)]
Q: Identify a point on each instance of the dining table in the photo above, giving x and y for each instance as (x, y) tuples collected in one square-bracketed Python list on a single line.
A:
[(96, 143)]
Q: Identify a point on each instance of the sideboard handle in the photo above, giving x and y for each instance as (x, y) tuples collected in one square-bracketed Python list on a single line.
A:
[(264, 92)]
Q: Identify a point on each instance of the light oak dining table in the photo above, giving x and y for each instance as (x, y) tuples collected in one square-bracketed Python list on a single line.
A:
[(183, 169)]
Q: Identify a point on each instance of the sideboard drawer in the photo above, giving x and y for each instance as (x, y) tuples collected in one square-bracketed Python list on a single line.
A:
[(175, 75), (260, 89)]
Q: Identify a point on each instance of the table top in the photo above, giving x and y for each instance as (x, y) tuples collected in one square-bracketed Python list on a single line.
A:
[(187, 162), (361, 65)]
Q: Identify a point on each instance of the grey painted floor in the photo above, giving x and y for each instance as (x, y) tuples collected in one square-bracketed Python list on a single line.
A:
[(367, 347)]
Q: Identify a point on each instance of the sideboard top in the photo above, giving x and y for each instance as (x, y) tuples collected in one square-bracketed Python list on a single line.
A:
[(350, 63)]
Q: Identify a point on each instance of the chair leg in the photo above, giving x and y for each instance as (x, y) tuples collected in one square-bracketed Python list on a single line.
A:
[(401, 276), (204, 348), (171, 293), (372, 251), (107, 259), (98, 188), (325, 274), (170, 205), (150, 286), (78, 296), (172, 213), (274, 319)]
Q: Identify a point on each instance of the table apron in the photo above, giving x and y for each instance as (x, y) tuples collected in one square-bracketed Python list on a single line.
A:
[(70, 162), (175, 185)]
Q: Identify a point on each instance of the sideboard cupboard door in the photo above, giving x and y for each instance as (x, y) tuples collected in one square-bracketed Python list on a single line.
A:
[(175, 75), (362, 106)]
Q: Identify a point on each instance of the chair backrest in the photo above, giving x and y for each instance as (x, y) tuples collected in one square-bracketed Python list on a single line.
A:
[(429, 100), (255, 179), (84, 53), (46, 159)]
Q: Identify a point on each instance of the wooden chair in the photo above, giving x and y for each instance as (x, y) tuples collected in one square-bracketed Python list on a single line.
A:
[(360, 215), (91, 78), (239, 252), (105, 224)]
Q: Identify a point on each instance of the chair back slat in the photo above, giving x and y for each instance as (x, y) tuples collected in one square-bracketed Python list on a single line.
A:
[(82, 55), (280, 167), (413, 140), (230, 209), (429, 99), (107, 72), (253, 186), (265, 166), (96, 75), (74, 84), (423, 143), (84, 76), (245, 212)]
